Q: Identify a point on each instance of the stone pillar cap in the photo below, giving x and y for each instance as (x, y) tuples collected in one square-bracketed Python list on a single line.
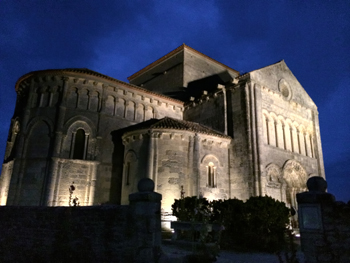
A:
[(145, 185), (317, 184)]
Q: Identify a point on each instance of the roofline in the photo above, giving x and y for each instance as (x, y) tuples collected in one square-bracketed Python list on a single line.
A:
[(172, 53), (95, 74), (146, 130), (247, 73), (132, 129)]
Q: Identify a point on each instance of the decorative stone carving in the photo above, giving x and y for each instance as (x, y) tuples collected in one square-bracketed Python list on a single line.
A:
[(273, 175), (285, 89), (294, 174)]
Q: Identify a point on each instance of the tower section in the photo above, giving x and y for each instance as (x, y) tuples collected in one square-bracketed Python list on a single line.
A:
[(282, 131), (60, 146)]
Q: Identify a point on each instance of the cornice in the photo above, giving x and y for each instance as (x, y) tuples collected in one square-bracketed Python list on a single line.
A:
[(85, 73)]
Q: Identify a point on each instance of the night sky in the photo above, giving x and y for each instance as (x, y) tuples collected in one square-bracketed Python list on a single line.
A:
[(118, 38)]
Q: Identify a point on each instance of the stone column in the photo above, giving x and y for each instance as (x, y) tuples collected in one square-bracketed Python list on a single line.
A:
[(196, 165), (145, 209), (317, 145), (92, 184), (52, 185)]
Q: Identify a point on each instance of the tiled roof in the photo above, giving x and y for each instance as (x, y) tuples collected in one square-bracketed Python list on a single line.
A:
[(171, 53), (175, 124), (91, 73)]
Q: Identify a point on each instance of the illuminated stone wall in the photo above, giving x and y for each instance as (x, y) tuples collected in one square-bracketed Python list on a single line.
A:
[(178, 161), (52, 107), (262, 134)]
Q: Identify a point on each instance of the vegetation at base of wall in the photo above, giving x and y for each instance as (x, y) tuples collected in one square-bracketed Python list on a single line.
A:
[(260, 223), (192, 209)]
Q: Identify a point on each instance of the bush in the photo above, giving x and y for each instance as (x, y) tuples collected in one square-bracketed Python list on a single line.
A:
[(267, 220), (192, 209), (259, 224)]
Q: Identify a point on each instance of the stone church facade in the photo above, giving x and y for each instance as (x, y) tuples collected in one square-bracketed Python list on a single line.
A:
[(190, 123)]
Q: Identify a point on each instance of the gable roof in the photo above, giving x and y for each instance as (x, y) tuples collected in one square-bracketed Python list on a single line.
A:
[(172, 53)]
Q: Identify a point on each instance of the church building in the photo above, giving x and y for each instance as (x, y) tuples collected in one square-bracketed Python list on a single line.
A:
[(190, 123)]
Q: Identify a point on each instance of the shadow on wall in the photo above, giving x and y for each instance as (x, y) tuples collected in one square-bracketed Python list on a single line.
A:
[(195, 88), (117, 168)]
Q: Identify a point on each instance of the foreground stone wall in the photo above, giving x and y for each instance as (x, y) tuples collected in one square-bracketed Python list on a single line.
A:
[(83, 234), (324, 225)]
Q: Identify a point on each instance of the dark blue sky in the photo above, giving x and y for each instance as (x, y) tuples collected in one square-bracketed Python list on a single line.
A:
[(117, 38)]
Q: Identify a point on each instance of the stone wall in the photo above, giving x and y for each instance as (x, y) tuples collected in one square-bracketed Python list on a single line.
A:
[(58, 105), (177, 161), (324, 225), (83, 234)]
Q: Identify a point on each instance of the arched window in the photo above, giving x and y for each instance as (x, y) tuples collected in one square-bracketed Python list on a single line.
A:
[(79, 144), (211, 173)]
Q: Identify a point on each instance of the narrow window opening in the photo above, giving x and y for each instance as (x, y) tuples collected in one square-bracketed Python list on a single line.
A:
[(79, 145), (211, 175), (127, 173)]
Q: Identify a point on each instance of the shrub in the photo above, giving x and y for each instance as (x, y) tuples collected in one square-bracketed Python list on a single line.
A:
[(192, 209), (260, 223), (267, 220)]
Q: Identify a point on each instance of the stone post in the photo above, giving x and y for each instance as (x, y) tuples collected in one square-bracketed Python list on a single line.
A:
[(145, 212), (314, 214)]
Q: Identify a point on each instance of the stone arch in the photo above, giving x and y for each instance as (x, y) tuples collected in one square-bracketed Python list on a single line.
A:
[(130, 169), (37, 150), (72, 97), (130, 154), (309, 142), (284, 128), (270, 129), (35, 120), (83, 98), (149, 113), (130, 110), (274, 130), (110, 105), (54, 95), (82, 121), (273, 181), (266, 120), (294, 175), (302, 140), (39, 127), (294, 181), (76, 127), (295, 137), (35, 97), (210, 165), (279, 129), (120, 107), (94, 99), (140, 112), (44, 97), (210, 158)]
